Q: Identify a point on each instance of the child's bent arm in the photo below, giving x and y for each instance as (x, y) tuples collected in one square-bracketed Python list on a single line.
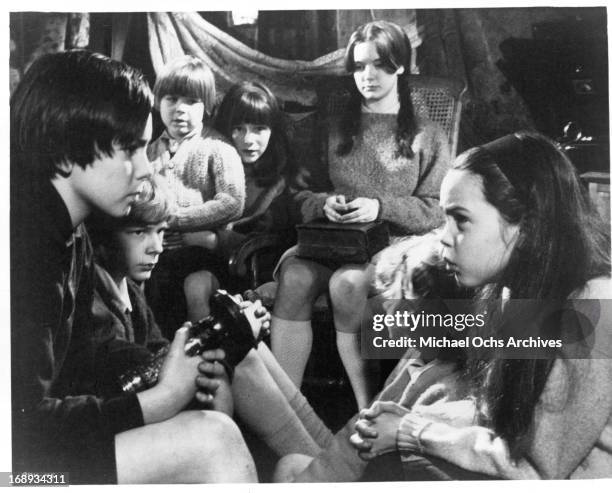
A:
[(225, 168), (568, 424)]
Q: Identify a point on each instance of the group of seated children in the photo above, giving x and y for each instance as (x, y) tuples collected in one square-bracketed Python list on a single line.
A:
[(226, 182), (516, 224)]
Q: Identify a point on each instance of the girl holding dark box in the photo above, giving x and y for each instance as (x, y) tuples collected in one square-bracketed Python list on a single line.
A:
[(384, 163)]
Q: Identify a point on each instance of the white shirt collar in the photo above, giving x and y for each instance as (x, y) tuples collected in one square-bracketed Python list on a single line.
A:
[(120, 293)]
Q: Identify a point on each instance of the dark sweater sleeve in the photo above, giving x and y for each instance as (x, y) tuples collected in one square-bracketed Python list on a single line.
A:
[(420, 212), (308, 193), (270, 212), (146, 328), (45, 408)]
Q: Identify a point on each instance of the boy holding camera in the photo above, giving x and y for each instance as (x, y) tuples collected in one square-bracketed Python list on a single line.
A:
[(79, 126), (126, 334)]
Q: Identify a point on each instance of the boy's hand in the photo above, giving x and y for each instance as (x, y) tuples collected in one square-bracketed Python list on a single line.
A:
[(214, 388), (210, 373), (178, 374)]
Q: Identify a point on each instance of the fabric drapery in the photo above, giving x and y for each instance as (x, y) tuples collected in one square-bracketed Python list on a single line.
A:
[(173, 34)]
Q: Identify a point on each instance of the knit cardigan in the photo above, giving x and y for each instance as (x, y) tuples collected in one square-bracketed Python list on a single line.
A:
[(408, 189), (206, 177), (572, 432)]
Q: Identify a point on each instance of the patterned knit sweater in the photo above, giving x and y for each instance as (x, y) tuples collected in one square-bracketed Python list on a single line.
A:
[(408, 188), (205, 175)]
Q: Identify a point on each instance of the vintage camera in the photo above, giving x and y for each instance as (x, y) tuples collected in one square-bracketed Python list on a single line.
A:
[(227, 327)]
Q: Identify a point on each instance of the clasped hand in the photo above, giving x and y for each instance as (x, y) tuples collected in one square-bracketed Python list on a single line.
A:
[(376, 429), (359, 210)]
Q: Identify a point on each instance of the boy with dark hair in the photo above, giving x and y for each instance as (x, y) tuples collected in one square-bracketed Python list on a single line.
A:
[(79, 126)]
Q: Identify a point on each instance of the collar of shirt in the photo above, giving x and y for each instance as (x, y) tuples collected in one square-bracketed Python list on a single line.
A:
[(174, 144), (119, 293)]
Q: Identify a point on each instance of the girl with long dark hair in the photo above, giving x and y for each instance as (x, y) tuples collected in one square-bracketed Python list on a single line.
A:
[(384, 163), (520, 227)]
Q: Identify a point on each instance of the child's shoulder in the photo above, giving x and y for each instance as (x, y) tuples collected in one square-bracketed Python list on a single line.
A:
[(215, 144)]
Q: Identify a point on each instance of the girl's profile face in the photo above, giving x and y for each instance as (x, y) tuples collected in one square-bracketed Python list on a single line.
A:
[(251, 140), (372, 77), (180, 114), (477, 241)]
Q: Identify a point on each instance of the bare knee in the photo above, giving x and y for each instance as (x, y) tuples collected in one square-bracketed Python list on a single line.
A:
[(217, 427), (301, 277), (289, 467), (199, 282), (192, 447), (300, 283), (347, 284), (215, 438), (198, 286)]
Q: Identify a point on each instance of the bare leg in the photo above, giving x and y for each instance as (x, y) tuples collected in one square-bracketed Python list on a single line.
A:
[(192, 447), (301, 282), (198, 287), (348, 288)]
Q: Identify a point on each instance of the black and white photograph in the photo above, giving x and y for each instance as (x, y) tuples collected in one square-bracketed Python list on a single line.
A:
[(262, 243)]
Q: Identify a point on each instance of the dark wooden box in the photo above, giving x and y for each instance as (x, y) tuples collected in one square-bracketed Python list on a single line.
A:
[(353, 243)]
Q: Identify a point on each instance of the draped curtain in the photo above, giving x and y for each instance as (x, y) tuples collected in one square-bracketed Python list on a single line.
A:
[(174, 33), (458, 43)]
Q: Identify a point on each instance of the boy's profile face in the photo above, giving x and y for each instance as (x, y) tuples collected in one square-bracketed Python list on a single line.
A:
[(111, 184), (137, 250)]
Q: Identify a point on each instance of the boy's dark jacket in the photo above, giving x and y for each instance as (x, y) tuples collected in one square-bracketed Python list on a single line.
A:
[(123, 341)]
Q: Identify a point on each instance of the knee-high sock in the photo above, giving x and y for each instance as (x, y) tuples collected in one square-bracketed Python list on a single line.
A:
[(338, 461), (359, 372), (313, 424), (264, 408), (291, 345), (320, 433)]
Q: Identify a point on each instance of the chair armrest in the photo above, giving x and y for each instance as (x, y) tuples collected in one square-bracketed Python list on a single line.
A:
[(239, 264)]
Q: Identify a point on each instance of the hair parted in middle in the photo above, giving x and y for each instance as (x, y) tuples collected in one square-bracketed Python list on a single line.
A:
[(393, 48), (189, 77)]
